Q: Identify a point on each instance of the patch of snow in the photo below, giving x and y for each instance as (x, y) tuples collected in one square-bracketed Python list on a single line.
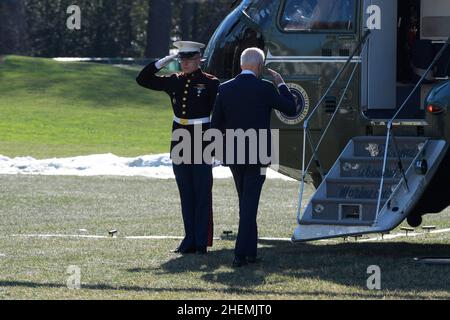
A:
[(157, 166)]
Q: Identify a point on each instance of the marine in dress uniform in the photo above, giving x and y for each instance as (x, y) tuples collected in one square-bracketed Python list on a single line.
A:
[(245, 103), (192, 93)]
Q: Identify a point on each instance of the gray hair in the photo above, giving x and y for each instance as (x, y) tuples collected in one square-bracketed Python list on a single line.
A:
[(252, 57)]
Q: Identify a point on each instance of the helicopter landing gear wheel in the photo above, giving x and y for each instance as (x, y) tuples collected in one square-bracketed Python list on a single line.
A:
[(414, 220)]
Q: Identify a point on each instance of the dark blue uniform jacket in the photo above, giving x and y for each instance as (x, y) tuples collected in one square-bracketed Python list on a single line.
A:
[(246, 102)]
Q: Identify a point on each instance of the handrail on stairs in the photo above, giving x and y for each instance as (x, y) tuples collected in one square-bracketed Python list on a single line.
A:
[(391, 133), (360, 47)]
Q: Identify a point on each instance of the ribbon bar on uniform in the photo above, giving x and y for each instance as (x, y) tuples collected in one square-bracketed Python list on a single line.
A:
[(186, 122)]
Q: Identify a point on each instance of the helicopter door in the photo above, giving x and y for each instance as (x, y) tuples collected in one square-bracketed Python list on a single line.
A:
[(379, 63)]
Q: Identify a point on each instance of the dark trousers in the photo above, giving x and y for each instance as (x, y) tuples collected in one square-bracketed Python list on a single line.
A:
[(195, 187), (249, 182)]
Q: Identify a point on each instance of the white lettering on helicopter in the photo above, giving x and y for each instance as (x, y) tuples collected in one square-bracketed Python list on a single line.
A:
[(374, 20)]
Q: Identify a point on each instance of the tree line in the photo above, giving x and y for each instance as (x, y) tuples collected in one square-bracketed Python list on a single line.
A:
[(109, 28)]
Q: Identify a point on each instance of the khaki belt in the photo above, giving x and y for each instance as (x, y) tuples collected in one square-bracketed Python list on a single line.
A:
[(186, 122)]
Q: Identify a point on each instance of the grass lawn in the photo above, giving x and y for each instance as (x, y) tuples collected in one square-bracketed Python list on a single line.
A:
[(54, 109), (35, 268), (51, 109)]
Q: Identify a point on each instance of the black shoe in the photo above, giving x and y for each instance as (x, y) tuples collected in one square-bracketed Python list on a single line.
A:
[(202, 250), (184, 251), (239, 262), (253, 260)]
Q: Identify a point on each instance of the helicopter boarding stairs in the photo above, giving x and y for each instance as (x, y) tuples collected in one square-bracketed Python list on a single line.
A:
[(348, 201), (377, 180)]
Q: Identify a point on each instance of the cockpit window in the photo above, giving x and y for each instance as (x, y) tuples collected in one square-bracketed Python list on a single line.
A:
[(261, 10), (313, 15)]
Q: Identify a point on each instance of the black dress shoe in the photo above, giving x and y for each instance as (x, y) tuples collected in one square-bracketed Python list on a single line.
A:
[(184, 251), (253, 260), (239, 262), (202, 250)]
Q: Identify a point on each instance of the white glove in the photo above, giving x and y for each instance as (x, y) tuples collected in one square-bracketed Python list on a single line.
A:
[(165, 61)]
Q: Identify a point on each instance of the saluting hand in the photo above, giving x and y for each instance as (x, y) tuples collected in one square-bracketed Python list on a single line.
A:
[(277, 78), (165, 61)]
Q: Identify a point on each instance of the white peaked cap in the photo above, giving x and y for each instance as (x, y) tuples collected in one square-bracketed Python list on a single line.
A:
[(188, 46)]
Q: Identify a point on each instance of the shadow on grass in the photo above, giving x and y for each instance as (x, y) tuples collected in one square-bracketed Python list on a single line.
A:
[(285, 264), (344, 264), (288, 271), (241, 291)]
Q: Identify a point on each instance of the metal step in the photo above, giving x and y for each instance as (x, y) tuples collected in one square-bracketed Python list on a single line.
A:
[(359, 188), (340, 211), (365, 167), (374, 147)]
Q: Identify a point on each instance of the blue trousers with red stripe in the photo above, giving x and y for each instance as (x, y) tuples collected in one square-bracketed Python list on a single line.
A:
[(195, 186)]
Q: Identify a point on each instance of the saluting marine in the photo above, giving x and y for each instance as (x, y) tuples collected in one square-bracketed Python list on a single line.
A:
[(192, 94)]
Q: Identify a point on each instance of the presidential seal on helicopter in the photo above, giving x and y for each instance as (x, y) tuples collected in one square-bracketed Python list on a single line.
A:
[(303, 105)]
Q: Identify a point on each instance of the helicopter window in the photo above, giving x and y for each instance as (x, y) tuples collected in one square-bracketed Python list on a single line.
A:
[(312, 15), (261, 10)]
